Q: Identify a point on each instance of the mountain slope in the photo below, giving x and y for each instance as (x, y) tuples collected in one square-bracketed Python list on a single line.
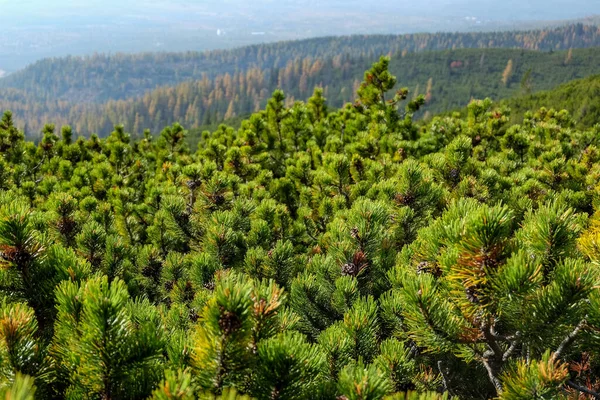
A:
[(100, 78), (579, 97), (448, 79)]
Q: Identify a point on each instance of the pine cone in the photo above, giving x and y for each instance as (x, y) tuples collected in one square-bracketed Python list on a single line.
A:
[(349, 269), (429, 268), (472, 295), (359, 262), (558, 178), (66, 226), (229, 322), (152, 270), (188, 292), (454, 174), (405, 199), (193, 315), (15, 255), (219, 199), (183, 218), (358, 164), (192, 184)]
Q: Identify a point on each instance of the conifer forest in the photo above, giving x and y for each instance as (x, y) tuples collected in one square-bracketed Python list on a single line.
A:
[(393, 243)]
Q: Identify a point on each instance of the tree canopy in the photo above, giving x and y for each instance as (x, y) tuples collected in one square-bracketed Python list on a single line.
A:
[(315, 252)]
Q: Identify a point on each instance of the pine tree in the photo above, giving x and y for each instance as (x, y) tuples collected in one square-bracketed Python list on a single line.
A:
[(475, 307), (105, 344)]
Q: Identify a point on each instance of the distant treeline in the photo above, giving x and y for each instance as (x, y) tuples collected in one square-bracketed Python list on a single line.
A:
[(448, 79), (102, 77), (198, 89)]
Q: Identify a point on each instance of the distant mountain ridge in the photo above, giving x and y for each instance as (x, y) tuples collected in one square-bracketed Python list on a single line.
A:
[(100, 78), (448, 79)]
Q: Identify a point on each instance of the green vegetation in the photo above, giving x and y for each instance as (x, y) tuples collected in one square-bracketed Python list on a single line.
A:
[(312, 253), (579, 97)]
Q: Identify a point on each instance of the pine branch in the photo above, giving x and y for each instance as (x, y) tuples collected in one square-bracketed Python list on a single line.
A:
[(568, 340), (510, 351), (492, 359), (492, 375), (504, 338), (444, 380), (512, 339), (490, 340), (583, 389)]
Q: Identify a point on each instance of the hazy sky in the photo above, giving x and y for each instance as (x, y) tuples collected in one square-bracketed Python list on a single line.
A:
[(33, 29), (498, 9)]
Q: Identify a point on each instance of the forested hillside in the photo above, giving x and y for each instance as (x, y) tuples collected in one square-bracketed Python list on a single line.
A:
[(580, 98), (102, 77), (448, 80), (313, 253)]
